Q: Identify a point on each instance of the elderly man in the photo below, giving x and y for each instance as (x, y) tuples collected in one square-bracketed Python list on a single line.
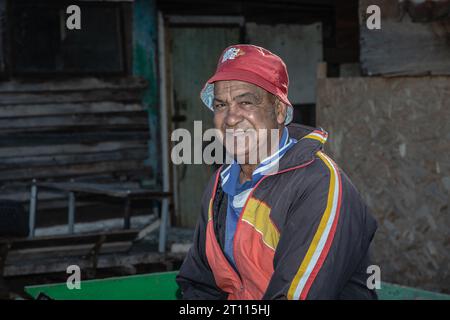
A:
[(287, 226)]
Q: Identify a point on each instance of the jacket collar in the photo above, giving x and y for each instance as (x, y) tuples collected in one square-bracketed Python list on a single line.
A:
[(310, 140), (230, 174)]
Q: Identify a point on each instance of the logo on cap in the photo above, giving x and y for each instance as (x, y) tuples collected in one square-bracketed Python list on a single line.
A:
[(231, 53)]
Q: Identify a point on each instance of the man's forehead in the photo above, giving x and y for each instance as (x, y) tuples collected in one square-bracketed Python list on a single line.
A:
[(235, 87)]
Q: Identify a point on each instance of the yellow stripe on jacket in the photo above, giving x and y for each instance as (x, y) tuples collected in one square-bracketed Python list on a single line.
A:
[(321, 234)]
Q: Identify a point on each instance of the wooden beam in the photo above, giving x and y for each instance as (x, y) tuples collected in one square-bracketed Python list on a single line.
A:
[(70, 149), (126, 166), (53, 123), (73, 85), (65, 251), (129, 95), (23, 195), (69, 137), (104, 261), (148, 229), (105, 189), (64, 160), (20, 111), (66, 240)]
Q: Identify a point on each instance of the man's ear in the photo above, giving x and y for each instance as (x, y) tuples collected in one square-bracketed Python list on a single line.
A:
[(281, 111)]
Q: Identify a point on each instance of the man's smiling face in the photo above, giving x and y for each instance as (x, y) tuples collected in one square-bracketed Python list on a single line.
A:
[(243, 109)]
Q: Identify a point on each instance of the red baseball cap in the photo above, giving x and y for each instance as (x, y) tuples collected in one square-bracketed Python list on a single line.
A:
[(251, 64)]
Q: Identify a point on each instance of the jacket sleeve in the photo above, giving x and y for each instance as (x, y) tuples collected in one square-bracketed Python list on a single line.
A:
[(324, 242), (195, 277)]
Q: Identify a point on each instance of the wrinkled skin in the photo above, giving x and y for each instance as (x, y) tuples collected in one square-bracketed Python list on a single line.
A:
[(241, 110)]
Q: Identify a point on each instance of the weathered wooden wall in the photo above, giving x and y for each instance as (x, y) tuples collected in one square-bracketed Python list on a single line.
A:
[(413, 39), (73, 129), (391, 136)]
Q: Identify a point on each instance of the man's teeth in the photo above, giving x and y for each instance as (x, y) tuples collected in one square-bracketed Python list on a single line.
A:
[(236, 132)]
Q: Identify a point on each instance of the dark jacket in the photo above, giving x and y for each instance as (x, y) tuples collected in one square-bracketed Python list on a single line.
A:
[(304, 233)]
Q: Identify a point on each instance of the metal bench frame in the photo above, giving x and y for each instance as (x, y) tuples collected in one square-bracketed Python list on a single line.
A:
[(71, 188)]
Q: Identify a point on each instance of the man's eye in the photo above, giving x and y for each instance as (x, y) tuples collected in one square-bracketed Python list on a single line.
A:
[(245, 103), (219, 105)]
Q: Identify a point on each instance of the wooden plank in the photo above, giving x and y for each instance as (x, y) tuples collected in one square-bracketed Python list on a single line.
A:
[(65, 251), (104, 189), (73, 170), (23, 195), (61, 205), (104, 261), (66, 149), (54, 123), (53, 160), (401, 46), (21, 191), (20, 139), (148, 229), (139, 220), (66, 240), (20, 111), (9, 98), (73, 85)]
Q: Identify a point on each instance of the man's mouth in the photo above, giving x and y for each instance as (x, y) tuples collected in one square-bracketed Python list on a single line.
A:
[(237, 132)]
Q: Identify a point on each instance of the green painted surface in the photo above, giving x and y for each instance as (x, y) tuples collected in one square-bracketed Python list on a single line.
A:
[(162, 286), (155, 286), (390, 291)]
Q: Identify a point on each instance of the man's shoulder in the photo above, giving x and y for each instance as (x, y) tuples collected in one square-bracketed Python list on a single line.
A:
[(325, 174), (320, 170), (326, 169)]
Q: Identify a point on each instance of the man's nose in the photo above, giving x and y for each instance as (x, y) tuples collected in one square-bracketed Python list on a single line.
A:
[(234, 115)]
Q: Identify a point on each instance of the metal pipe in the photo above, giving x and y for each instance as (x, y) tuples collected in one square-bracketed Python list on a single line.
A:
[(127, 215), (164, 134), (32, 211), (164, 225), (71, 214)]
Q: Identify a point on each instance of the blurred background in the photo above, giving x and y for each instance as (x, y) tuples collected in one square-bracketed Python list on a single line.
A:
[(86, 117)]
